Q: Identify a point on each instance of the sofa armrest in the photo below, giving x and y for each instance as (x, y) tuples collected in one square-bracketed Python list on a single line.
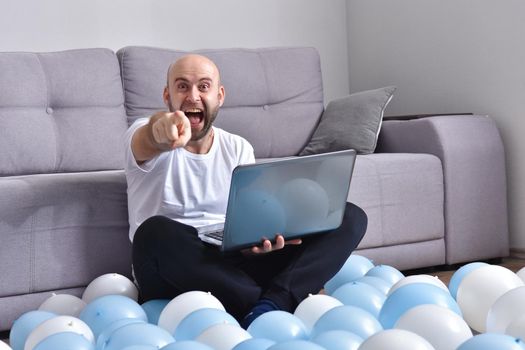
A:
[(473, 160)]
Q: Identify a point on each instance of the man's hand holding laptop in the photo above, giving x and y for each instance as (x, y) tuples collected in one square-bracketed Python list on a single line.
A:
[(267, 246)]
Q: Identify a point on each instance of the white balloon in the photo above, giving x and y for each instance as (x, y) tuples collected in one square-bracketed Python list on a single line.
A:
[(4, 346), (434, 280), (505, 309), (223, 336), (521, 274), (516, 328), (396, 339), (110, 284), (63, 304), (313, 307), (184, 304), (57, 325), (440, 326), (480, 289)]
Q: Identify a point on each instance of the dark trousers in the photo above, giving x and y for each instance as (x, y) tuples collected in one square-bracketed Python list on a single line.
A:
[(169, 259)]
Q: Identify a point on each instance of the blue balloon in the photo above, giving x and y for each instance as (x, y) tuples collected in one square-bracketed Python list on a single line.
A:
[(153, 308), (196, 322), (24, 325), (65, 341), (458, 276), (186, 345), (279, 326), (138, 334), (355, 267), (103, 337), (361, 295), (254, 344), (386, 272), (411, 295), (295, 345), (376, 282), (347, 318), (492, 341), (338, 340), (107, 309)]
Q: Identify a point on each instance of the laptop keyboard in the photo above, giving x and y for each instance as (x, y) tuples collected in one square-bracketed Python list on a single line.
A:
[(215, 234)]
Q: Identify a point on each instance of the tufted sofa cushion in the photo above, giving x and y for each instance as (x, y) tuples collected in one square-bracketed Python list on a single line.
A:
[(60, 112), (274, 96)]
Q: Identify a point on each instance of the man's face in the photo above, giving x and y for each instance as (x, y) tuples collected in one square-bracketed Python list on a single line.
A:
[(194, 88)]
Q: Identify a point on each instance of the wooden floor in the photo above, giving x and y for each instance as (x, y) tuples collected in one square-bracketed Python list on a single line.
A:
[(444, 273)]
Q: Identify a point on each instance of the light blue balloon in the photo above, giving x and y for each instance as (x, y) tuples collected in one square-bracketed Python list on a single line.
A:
[(254, 344), (355, 267), (103, 337), (386, 272), (191, 326), (107, 309), (279, 326), (411, 295), (347, 318), (296, 345), (376, 282), (138, 334), (140, 347), (65, 341), (338, 340), (361, 295), (492, 341), (24, 325), (460, 273), (186, 345), (153, 308)]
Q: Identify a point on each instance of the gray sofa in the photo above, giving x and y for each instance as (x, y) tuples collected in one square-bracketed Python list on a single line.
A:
[(434, 190)]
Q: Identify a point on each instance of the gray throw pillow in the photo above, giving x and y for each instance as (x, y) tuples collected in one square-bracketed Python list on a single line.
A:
[(353, 121)]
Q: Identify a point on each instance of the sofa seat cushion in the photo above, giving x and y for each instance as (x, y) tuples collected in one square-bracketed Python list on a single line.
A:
[(62, 230), (402, 195)]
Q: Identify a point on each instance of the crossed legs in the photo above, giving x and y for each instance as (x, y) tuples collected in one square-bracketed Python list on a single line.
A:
[(169, 259)]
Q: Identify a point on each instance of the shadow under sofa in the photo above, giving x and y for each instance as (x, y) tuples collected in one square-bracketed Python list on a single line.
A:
[(434, 190)]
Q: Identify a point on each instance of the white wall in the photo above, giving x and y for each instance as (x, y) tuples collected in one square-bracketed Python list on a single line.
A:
[(449, 56), (49, 25)]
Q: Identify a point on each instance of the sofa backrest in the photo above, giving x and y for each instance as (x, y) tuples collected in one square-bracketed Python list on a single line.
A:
[(60, 112), (274, 96)]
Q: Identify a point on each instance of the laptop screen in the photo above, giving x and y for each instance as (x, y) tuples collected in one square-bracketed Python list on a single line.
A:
[(291, 196)]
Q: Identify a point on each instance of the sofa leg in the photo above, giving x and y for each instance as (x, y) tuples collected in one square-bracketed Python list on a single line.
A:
[(4, 336)]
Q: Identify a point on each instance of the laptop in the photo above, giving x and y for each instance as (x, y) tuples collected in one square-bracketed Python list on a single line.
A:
[(294, 196)]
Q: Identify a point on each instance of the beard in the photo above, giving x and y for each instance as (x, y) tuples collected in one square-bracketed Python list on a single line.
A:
[(209, 116)]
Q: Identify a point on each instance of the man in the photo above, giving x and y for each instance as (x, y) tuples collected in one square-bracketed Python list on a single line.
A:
[(178, 168)]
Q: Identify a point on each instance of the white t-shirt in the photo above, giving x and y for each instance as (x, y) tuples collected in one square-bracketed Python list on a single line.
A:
[(187, 187)]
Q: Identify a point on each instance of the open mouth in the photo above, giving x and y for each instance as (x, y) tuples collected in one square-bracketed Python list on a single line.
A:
[(195, 115)]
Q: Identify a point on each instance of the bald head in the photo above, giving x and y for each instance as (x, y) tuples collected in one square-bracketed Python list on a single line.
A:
[(193, 64), (194, 88)]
